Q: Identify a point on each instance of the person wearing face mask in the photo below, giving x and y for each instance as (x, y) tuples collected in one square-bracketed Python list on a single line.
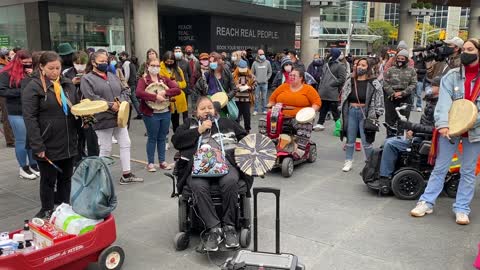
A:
[(183, 64), (399, 83), (332, 81), (245, 82), (282, 75), (99, 84), (202, 126), (458, 83), (316, 68), (236, 57), (51, 129), (448, 59), (143, 70), (11, 78), (262, 70), (402, 45), (7, 130), (157, 122), (216, 79), (169, 69), (362, 97), (86, 135), (130, 75)]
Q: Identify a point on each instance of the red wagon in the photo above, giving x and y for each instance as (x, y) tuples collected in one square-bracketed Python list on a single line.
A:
[(73, 254)]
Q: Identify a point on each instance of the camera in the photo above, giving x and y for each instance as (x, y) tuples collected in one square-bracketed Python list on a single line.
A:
[(437, 50)]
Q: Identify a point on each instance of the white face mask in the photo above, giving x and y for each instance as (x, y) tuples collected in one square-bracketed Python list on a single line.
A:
[(234, 58), (79, 68), (153, 70), (287, 68)]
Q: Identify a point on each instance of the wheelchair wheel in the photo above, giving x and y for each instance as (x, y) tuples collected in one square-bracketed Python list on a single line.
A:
[(182, 214), (408, 185), (245, 237), (181, 241), (451, 185), (287, 167), (312, 155)]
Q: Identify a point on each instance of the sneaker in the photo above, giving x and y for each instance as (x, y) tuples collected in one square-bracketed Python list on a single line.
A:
[(230, 235), (419, 109), (34, 170), (214, 239), (348, 165), (264, 112), (421, 209), (358, 146), (165, 166), (461, 218), (44, 214), (130, 178), (255, 113), (318, 127), (25, 173), (151, 167), (328, 116), (114, 141)]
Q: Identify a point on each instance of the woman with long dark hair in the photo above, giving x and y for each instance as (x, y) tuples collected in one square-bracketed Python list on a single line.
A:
[(362, 100), (170, 69), (51, 129), (458, 83), (11, 79)]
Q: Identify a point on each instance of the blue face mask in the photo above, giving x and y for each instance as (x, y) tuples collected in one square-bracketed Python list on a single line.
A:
[(102, 67), (113, 62), (213, 65), (262, 57)]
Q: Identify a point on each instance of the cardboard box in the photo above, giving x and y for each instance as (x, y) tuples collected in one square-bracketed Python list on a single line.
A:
[(47, 235)]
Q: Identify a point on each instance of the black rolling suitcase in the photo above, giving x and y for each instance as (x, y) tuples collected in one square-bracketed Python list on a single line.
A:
[(255, 260)]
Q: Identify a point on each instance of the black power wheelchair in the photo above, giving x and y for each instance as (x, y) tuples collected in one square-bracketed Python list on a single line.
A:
[(188, 219), (412, 169)]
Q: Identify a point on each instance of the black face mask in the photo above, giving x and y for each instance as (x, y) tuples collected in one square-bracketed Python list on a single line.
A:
[(170, 65), (361, 71), (27, 66), (401, 63), (468, 58), (447, 51)]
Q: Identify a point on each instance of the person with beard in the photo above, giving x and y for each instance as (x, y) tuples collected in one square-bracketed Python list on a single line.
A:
[(86, 135), (170, 69), (316, 68), (400, 82), (66, 51), (245, 83), (333, 79), (458, 83)]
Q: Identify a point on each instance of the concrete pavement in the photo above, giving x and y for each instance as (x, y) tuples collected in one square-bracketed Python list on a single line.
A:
[(328, 218)]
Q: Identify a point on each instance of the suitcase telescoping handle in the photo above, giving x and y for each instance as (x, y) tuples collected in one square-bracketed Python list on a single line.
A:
[(276, 192)]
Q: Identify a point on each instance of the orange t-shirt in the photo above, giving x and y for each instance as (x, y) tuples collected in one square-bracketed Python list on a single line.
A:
[(305, 97)]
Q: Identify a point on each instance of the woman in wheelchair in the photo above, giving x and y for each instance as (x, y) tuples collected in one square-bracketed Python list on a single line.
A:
[(393, 146), (295, 94), (186, 139)]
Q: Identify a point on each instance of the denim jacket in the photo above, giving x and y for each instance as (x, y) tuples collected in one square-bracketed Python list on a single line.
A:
[(452, 88)]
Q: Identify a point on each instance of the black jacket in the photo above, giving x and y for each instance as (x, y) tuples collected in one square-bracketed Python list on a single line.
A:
[(11, 94), (427, 120), (228, 84), (48, 128), (186, 138)]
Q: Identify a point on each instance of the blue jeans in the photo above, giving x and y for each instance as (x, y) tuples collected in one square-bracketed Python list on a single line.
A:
[(418, 93), (355, 125), (20, 133), (261, 96), (157, 130), (391, 149), (466, 188)]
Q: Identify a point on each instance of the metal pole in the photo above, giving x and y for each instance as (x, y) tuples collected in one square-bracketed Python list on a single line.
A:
[(350, 29)]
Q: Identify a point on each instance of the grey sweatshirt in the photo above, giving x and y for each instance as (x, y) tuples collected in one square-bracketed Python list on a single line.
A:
[(262, 71)]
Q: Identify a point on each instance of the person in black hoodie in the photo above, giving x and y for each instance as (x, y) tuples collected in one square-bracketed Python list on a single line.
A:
[(86, 134), (186, 140), (393, 146), (51, 129), (11, 79)]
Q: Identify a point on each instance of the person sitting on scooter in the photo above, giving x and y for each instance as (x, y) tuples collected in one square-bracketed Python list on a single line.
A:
[(395, 145), (295, 94), (185, 140)]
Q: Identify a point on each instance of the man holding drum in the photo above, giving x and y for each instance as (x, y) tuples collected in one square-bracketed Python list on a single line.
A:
[(458, 84)]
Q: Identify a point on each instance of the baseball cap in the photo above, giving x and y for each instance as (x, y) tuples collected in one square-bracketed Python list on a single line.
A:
[(458, 42)]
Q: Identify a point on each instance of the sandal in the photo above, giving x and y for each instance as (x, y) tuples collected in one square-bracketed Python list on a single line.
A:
[(165, 166)]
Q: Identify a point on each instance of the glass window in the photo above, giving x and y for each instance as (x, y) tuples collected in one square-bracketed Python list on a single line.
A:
[(13, 30), (87, 28), (295, 5)]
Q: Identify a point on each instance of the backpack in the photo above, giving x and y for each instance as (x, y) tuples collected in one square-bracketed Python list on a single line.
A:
[(92, 193), (371, 171)]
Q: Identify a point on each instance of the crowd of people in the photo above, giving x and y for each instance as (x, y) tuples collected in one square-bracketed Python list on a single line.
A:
[(38, 89)]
